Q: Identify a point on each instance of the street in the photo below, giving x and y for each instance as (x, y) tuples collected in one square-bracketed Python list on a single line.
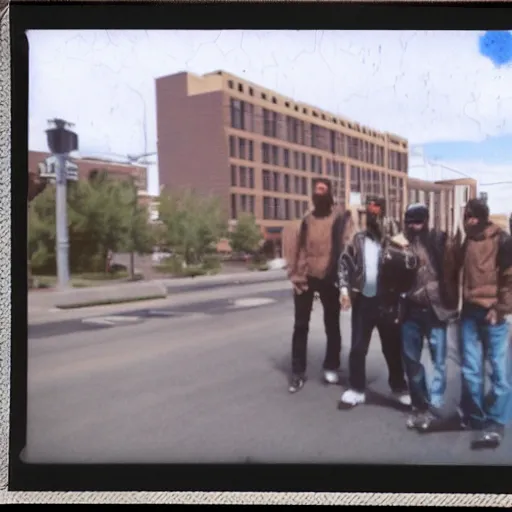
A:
[(207, 382)]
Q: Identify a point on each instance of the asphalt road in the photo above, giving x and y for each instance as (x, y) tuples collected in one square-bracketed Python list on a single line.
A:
[(209, 384)]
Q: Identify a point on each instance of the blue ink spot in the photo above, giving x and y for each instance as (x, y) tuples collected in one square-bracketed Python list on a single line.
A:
[(497, 46)]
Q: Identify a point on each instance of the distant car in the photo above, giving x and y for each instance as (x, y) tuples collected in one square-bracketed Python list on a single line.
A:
[(277, 264)]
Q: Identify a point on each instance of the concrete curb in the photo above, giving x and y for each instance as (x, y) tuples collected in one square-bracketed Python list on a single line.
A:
[(86, 297)]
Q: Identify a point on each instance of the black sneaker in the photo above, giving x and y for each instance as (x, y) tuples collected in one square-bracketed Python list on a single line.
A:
[(490, 437), (296, 383)]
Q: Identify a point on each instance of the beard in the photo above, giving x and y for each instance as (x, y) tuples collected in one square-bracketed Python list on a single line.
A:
[(414, 235), (374, 224), (322, 203)]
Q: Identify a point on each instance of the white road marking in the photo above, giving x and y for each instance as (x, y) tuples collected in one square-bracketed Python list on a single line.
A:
[(110, 320), (252, 302)]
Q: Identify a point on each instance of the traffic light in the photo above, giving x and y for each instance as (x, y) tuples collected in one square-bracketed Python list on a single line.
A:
[(60, 139)]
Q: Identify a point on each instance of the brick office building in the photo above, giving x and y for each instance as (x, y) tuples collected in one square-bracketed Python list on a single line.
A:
[(86, 166), (259, 151), (446, 200)]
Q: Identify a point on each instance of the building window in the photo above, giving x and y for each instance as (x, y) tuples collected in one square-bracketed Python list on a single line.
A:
[(297, 160), (277, 208), (267, 208), (298, 212), (315, 136), (286, 183), (251, 91), (233, 176), (269, 123), (266, 180), (328, 167), (240, 87), (296, 188), (232, 146), (265, 150), (305, 207), (241, 149), (313, 163), (275, 155), (275, 182), (251, 151), (303, 161), (233, 206), (336, 169), (243, 203), (286, 157), (230, 84), (237, 114), (249, 121), (304, 186), (251, 204), (243, 177), (332, 141), (251, 177), (287, 209)]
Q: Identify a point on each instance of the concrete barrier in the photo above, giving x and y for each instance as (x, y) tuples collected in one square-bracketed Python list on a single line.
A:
[(126, 292)]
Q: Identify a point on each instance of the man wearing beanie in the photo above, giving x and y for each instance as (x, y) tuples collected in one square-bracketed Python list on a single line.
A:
[(485, 259), (362, 289), (312, 255), (426, 313)]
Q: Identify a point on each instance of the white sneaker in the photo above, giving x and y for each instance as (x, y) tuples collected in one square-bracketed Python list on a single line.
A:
[(353, 398), (331, 377), (403, 397)]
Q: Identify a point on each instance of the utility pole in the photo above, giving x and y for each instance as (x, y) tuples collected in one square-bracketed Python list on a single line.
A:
[(61, 142)]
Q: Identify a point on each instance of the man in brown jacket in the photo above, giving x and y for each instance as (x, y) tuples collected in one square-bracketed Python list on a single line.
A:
[(312, 258), (485, 259)]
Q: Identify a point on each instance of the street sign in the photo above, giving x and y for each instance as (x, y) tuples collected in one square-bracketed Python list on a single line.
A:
[(48, 169)]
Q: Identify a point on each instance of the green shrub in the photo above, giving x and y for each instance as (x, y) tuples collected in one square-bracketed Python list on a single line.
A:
[(211, 263), (172, 265), (194, 271)]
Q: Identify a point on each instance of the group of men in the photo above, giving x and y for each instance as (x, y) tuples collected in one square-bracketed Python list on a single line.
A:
[(408, 285)]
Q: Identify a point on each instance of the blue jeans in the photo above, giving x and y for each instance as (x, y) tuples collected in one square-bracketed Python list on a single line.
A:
[(481, 341), (418, 324)]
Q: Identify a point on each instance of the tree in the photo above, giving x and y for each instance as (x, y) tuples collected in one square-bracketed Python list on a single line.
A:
[(101, 218), (246, 235), (193, 223)]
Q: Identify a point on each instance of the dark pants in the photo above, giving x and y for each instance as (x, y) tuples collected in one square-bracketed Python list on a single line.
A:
[(330, 298), (366, 315), (420, 323)]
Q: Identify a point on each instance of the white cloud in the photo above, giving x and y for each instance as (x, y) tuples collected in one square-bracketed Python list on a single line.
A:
[(426, 86)]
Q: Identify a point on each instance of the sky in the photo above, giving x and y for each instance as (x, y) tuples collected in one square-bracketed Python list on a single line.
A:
[(449, 93)]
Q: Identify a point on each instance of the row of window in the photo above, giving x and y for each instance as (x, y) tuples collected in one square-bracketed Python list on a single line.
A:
[(242, 149), (280, 182), (276, 208), (297, 131), (242, 177), (242, 203)]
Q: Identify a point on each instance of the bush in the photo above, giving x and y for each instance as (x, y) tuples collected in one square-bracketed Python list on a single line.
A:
[(116, 268), (194, 271), (211, 263), (260, 267)]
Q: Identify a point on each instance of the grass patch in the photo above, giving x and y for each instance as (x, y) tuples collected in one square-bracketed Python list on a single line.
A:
[(85, 280), (108, 302)]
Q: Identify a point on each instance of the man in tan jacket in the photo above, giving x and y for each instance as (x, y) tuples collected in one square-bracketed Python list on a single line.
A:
[(312, 253)]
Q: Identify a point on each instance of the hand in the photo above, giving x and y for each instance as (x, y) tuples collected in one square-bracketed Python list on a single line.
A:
[(492, 317), (299, 289), (345, 303)]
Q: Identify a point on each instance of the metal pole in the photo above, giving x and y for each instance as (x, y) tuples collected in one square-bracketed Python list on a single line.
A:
[(62, 222)]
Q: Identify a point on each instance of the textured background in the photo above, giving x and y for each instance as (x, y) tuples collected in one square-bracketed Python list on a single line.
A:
[(482, 500)]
